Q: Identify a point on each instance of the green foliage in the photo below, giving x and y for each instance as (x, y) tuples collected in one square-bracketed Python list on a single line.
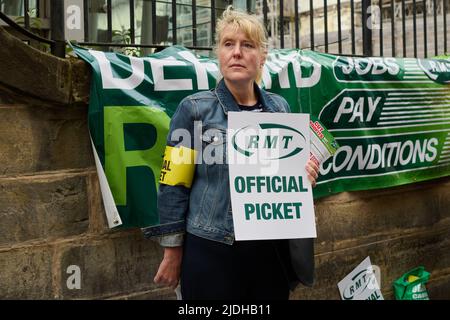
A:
[(124, 36), (443, 56), (35, 23)]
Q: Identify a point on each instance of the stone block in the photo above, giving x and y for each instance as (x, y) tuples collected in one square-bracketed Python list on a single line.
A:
[(356, 218), (394, 257), (34, 139), (112, 266), (26, 273), (44, 207), (97, 217), (158, 294), (81, 81), (439, 287), (32, 71)]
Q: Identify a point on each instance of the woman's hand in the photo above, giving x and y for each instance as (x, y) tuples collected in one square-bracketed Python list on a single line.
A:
[(169, 270), (313, 172)]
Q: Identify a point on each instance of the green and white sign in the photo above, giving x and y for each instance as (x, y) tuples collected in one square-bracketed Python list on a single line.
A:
[(271, 195), (436, 69), (361, 283), (390, 117)]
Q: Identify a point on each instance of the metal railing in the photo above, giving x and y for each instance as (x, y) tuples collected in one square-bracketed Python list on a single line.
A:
[(353, 27), (56, 48)]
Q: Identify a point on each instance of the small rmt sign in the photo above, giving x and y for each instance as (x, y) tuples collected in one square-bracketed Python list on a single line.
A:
[(361, 283)]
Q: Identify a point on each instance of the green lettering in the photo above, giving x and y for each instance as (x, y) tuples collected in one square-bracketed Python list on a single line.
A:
[(264, 207), (297, 206), (287, 210), (271, 141), (358, 284), (250, 183), (286, 141), (118, 158), (268, 184), (292, 187), (275, 187), (248, 209), (284, 184), (276, 211), (260, 181), (258, 211), (253, 140), (239, 184), (300, 183)]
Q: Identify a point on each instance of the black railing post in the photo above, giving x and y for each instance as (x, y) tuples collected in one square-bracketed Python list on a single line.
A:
[(325, 22), (86, 20), (425, 40), (392, 27), (109, 20), (311, 23), (194, 23), (444, 10), (435, 28), (297, 31), (281, 24), (174, 21), (132, 31), (265, 9), (26, 13), (38, 8), (414, 28), (213, 22), (339, 26), (57, 28), (153, 6), (367, 30), (404, 27), (352, 13), (381, 27)]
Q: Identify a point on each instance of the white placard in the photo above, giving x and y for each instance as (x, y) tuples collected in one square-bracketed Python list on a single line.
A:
[(361, 283), (271, 195)]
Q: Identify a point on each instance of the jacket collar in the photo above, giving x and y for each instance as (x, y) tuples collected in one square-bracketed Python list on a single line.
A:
[(228, 103)]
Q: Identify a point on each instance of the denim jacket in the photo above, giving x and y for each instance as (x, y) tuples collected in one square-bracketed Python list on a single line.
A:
[(205, 209)]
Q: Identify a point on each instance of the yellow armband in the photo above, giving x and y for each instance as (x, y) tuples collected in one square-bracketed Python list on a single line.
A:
[(178, 166)]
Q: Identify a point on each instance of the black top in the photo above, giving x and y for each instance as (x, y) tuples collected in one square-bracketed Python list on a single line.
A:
[(257, 107)]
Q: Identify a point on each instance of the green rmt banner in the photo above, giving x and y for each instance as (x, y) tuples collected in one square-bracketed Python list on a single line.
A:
[(390, 116)]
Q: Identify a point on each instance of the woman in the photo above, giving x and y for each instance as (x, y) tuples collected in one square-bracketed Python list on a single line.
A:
[(195, 215)]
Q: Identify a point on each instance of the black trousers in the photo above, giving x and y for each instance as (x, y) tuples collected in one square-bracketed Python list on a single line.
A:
[(245, 270)]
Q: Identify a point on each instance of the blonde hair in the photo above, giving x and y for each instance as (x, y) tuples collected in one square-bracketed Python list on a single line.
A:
[(247, 23)]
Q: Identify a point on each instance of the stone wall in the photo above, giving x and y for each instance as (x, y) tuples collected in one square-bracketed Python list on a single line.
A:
[(51, 211), (52, 216)]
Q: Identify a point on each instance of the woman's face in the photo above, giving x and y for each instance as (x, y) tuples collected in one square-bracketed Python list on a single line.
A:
[(239, 57)]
